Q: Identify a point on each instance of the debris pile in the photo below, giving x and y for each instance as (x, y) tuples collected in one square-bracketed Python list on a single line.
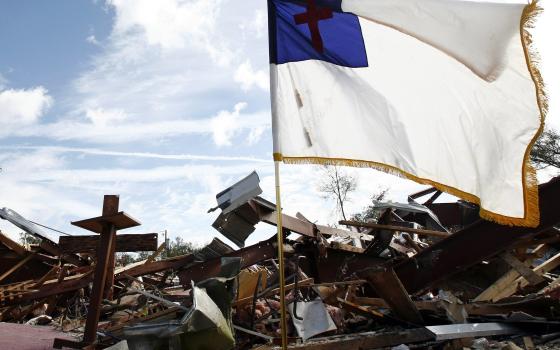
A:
[(428, 275)]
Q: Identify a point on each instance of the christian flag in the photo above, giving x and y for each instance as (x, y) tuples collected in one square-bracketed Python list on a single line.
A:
[(443, 92)]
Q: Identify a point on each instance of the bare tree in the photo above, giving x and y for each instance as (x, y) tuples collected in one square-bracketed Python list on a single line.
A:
[(337, 184), (546, 151)]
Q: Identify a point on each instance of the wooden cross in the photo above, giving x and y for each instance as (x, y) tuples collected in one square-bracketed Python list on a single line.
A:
[(107, 225)]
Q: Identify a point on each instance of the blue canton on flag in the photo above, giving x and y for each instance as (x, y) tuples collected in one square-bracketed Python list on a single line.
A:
[(315, 30)]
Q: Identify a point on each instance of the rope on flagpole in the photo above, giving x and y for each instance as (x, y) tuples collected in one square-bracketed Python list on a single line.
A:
[(280, 236)]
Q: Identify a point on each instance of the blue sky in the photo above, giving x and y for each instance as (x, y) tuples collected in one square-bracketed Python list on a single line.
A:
[(163, 102)]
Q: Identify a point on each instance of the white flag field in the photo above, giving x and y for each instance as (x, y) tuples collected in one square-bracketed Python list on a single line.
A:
[(443, 92)]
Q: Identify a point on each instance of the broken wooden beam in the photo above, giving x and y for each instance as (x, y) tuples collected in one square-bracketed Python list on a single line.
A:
[(530, 275), (16, 266), (387, 285), (422, 232), (125, 243)]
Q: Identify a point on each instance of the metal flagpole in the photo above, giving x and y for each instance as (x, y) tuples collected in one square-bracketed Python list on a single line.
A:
[(280, 234)]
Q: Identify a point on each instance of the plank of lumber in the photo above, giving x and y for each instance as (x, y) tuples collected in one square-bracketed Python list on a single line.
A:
[(76, 282), (529, 344), (346, 247), (366, 340), (139, 317), (19, 249), (16, 266), (388, 286), (507, 279), (290, 223), (54, 249), (350, 306), (429, 233), (490, 293), (303, 283), (143, 268), (523, 269), (521, 282), (155, 254), (125, 243), (377, 302)]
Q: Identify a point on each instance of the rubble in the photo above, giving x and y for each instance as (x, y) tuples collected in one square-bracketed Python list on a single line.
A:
[(427, 275)]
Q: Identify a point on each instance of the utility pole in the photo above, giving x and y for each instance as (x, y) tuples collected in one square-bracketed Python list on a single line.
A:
[(166, 244)]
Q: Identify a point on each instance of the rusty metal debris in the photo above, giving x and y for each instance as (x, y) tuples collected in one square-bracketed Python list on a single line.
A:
[(423, 275)]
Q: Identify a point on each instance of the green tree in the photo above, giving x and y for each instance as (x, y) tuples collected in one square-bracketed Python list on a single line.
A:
[(370, 212), (180, 247), (26, 239)]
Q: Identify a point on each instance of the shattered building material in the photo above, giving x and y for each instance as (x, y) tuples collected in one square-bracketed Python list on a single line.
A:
[(388, 286), (310, 318), (412, 277)]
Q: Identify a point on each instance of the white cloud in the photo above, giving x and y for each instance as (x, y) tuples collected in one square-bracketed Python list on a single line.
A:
[(103, 129), (163, 58), (248, 77), (171, 197), (256, 135), (92, 40), (170, 24), (23, 107), (102, 117), (257, 25), (226, 125)]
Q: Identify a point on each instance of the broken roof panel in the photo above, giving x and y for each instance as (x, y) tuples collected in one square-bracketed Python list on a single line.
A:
[(24, 224)]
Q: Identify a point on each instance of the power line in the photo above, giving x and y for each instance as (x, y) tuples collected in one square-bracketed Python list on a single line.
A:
[(50, 228)]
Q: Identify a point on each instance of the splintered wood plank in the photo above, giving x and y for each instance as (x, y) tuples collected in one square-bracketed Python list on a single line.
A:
[(155, 254), (428, 233), (350, 306), (521, 282), (523, 269), (125, 243), (16, 266), (494, 290), (5, 240), (388, 286)]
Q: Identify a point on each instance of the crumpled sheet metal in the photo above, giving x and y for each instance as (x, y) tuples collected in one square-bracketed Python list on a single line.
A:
[(401, 209), (24, 224), (239, 193), (315, 318), (204, 327)]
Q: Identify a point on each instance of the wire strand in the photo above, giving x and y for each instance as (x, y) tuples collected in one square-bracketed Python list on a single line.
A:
[(50, 228)]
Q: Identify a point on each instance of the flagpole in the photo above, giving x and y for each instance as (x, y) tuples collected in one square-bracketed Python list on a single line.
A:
[(280, 237)]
